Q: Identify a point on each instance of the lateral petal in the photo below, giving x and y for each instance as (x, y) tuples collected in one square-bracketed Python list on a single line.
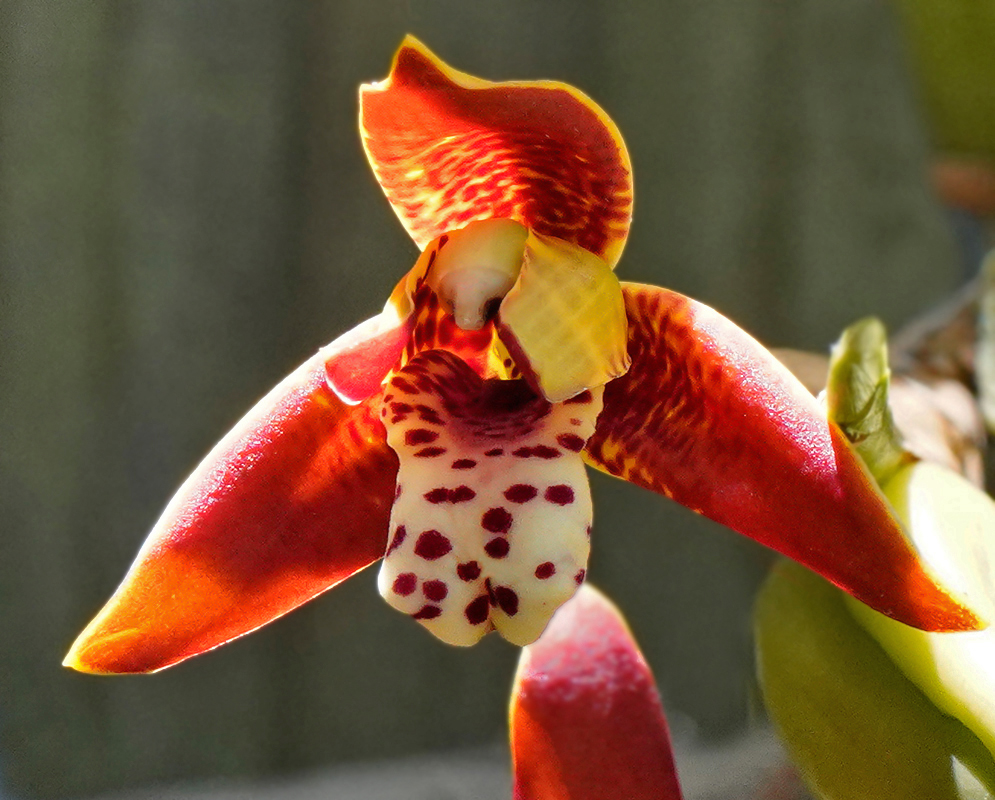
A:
[(448, 148), (709, 418), (357, 363), (294, 500), (586, 719)]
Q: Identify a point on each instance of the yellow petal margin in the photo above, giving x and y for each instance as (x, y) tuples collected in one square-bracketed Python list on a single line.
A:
[(449, 148), (564, 319)]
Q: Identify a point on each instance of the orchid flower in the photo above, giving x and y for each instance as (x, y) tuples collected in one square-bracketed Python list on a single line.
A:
[(448, 434), (586, 718)]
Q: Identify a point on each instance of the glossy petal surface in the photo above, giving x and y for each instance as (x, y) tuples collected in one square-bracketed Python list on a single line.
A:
[(564, 320), (708, 417), (292, 501), (586, 719), (491, 524), (449, 148)]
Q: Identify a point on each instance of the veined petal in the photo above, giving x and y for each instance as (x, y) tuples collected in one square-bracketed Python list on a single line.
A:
[(448, 148), (708, 417), (586, 719), (564, 319), (492, 519), (295, 499)]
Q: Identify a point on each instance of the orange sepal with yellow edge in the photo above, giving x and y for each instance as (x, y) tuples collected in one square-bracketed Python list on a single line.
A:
[(586, 718), (294, 500), (449, 148), (709, 418)]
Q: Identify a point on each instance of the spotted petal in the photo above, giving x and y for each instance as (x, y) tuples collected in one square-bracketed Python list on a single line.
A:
[(292, 501), (586, 719), (707, 417), (449, 148), (491, 524)]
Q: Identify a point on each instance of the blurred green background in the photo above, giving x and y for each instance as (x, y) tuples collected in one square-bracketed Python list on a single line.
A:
[(186, 214)]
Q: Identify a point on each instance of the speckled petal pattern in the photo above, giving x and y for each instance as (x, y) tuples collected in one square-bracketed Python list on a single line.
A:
[(490, 527)]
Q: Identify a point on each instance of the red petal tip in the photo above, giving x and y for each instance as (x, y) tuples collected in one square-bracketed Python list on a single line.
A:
[(586, 719)]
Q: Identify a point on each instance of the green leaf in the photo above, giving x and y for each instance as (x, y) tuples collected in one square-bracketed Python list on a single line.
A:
[(854, 724), (857, 397)]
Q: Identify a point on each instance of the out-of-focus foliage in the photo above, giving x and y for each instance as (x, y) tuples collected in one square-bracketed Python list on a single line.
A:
[(954, 59)]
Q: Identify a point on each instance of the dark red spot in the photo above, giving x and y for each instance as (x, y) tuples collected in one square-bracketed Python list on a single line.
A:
[(579, 577), (430, 452), (405, 583), (520, 493), (497, 548), (432, 545), (478, 610), (399, 535), (401, 408), (507, 600), (426, 409), (440, 495), (574, 421), (419, 436), (588, 531), (469, 571), (570, 441), (427, 612), (543, 451), (464, 463), (461, 494), (561, 494), (403, 385), (497, 451), (583, 397), (545, 570), (388, 397), (496, 520), (397, 491), (435, 590), (539, 451)]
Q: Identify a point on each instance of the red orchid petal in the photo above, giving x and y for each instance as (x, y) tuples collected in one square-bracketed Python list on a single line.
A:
[(449, 148), (586, 719), (359, 360), (708, 417), (295, 499)]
